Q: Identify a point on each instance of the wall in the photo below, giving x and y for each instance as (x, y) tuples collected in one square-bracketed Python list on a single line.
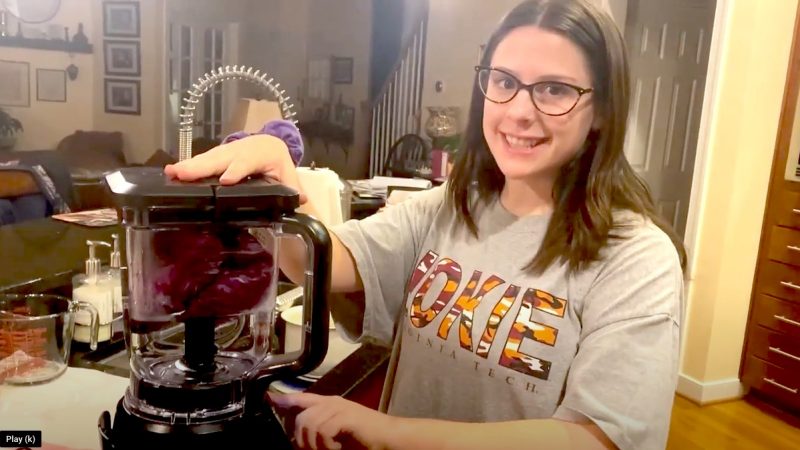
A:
[(456, 29), (46, 123), (413, 11), (343, 28), (618, 10), (741, 120), (142, 133), (391, 24), (208, 12), (277, 43)]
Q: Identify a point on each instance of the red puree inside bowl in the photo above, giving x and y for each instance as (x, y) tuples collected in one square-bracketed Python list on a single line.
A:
[(204, 273)]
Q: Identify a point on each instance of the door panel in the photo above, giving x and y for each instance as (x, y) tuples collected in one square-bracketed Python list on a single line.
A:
[(202, 37), (669, 45)]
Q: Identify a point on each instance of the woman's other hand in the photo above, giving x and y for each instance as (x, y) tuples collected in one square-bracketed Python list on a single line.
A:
[(254, 155), (332, 423)]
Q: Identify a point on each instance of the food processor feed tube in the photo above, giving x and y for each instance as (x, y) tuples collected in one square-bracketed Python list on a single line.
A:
[(199, 316)]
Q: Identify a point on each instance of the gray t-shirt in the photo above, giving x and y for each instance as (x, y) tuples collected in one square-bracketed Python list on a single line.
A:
[(476, 337)]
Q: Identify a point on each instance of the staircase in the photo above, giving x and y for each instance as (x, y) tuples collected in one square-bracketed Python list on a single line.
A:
[(396, 109)]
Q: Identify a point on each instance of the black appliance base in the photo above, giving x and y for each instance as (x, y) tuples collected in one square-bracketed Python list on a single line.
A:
[(132, 432)]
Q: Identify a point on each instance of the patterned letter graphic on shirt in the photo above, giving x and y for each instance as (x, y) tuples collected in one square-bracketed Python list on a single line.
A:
[(499, 311), (422, 268), (451, 269), (524, 326), (464, 306)]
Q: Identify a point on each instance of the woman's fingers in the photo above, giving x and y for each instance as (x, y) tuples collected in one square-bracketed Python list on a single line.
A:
[(210, 163), (306, 424), (238, 169), (329, 430), (254, 155), (288, 178), (307, 405), (301, 400), (329, 423), (310, 421)]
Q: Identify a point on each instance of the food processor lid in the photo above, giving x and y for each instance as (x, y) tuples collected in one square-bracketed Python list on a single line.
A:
[(148, 189)]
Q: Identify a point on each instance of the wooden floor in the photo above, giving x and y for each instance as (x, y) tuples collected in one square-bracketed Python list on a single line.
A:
[(730, 425)]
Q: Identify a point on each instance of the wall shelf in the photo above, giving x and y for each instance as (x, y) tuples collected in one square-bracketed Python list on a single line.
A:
[(45, 44)]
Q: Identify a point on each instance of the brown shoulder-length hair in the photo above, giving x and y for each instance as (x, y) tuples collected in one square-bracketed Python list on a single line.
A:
[(599, 179)]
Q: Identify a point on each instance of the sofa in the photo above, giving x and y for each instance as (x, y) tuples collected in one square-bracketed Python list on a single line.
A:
[(22, 196), (91, 154)]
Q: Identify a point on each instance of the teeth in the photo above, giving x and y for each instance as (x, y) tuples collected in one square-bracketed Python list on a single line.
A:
[(517, 142)]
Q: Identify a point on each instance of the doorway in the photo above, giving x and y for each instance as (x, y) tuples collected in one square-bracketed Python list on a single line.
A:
[(196, 44), (669, 45)]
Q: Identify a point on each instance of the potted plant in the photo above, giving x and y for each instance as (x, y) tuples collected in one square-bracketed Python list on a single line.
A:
[(9, 128)]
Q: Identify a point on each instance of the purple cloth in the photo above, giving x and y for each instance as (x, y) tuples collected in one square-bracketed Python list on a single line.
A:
[(284, 130)]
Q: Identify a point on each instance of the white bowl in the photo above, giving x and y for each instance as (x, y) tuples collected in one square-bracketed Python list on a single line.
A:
[(338, 348)]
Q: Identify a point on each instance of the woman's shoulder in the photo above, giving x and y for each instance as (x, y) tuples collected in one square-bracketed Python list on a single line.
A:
[(426, 199), (418, 205), (636, 235)]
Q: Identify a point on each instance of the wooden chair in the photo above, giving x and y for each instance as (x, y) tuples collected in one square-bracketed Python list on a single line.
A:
[(407, 156)]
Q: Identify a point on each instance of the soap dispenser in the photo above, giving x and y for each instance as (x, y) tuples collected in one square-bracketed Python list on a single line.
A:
[(114, 275), (92, 288)]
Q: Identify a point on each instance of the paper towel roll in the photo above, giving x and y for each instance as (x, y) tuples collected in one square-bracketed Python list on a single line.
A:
[(323, 189)]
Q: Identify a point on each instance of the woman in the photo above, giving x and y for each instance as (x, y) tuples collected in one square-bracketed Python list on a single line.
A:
[(533, 301)]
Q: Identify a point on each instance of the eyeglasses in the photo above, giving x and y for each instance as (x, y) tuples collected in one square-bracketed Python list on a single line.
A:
[(553, 98)]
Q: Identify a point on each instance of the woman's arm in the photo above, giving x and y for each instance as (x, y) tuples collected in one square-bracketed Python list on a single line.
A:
[(426, 434), (335, 423)]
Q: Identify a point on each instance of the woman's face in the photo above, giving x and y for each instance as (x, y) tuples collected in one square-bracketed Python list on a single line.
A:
[(526, 143)]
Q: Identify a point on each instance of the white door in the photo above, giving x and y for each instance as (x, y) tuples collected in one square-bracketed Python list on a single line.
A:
[(194, 50), (668, 42)]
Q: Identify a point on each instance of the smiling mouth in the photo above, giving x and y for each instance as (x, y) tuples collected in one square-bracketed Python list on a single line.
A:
[(518, 143)]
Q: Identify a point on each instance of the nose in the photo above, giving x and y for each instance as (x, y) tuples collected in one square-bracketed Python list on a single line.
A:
[(521, 107)]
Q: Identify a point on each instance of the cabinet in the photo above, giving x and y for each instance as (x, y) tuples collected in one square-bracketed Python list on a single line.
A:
[(771, 357)]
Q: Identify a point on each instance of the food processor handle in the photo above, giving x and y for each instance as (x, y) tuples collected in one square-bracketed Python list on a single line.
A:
[(315, 306)]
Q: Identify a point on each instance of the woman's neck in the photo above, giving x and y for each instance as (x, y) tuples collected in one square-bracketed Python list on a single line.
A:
[(526, 198)]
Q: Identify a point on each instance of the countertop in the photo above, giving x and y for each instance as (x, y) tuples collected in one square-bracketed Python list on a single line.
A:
[(42, 255), (65, 410)]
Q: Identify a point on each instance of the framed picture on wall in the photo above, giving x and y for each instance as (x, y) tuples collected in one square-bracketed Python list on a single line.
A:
[(122, 58), (342, 70), (51, 85), (14, 83), (121, 19), (122, 96)]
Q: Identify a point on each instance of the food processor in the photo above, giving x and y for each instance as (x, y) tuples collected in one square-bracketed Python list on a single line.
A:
[(202, 275), (202, 269)]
